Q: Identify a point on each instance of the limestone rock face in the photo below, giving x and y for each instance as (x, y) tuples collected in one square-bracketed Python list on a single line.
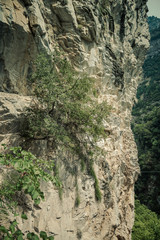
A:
[(108, 40)]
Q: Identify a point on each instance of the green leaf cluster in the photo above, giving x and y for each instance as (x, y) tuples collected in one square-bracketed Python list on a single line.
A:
[(24, 174), (13, 233), (147, 224), (28, 171)]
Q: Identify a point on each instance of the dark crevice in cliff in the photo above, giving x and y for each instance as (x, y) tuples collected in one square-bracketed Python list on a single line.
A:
[(119, 75), (111, 52), (15, 39), (27, 2), (122, 22), (111, 24), (5, 84)]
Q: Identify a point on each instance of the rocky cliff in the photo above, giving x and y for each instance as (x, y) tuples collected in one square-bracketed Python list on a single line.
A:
[(108, 40)]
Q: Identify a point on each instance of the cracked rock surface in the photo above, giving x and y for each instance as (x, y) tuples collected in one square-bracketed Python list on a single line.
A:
[(108, 40)]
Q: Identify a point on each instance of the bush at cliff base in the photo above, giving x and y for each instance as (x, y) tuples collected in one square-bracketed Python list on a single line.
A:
[(147, 224)]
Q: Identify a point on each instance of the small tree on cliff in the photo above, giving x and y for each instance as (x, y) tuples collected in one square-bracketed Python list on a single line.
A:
[(66, 110)]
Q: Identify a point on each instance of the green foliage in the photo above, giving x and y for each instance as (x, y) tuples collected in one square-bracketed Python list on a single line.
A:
[(77, 201), (13, 233), (28, 171), (66, 103), (58, 182), (147, 224), (66, 110), (24, 174), (147, 135), (96, 184), (146, 122)]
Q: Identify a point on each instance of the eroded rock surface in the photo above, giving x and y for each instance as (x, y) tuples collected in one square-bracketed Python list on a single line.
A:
[(108, 39)]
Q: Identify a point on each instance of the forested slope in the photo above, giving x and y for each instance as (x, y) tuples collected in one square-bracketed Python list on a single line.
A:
[(146, 124)]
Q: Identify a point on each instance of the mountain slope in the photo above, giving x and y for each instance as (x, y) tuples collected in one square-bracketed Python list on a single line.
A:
[(146, 123)]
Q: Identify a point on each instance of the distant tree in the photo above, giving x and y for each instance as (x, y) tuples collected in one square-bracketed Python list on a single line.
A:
[(147, 224)]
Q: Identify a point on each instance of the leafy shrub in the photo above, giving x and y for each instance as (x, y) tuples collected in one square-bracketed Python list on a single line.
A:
[(24, 174), (14, 233), (28, 171), (147, 224)]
